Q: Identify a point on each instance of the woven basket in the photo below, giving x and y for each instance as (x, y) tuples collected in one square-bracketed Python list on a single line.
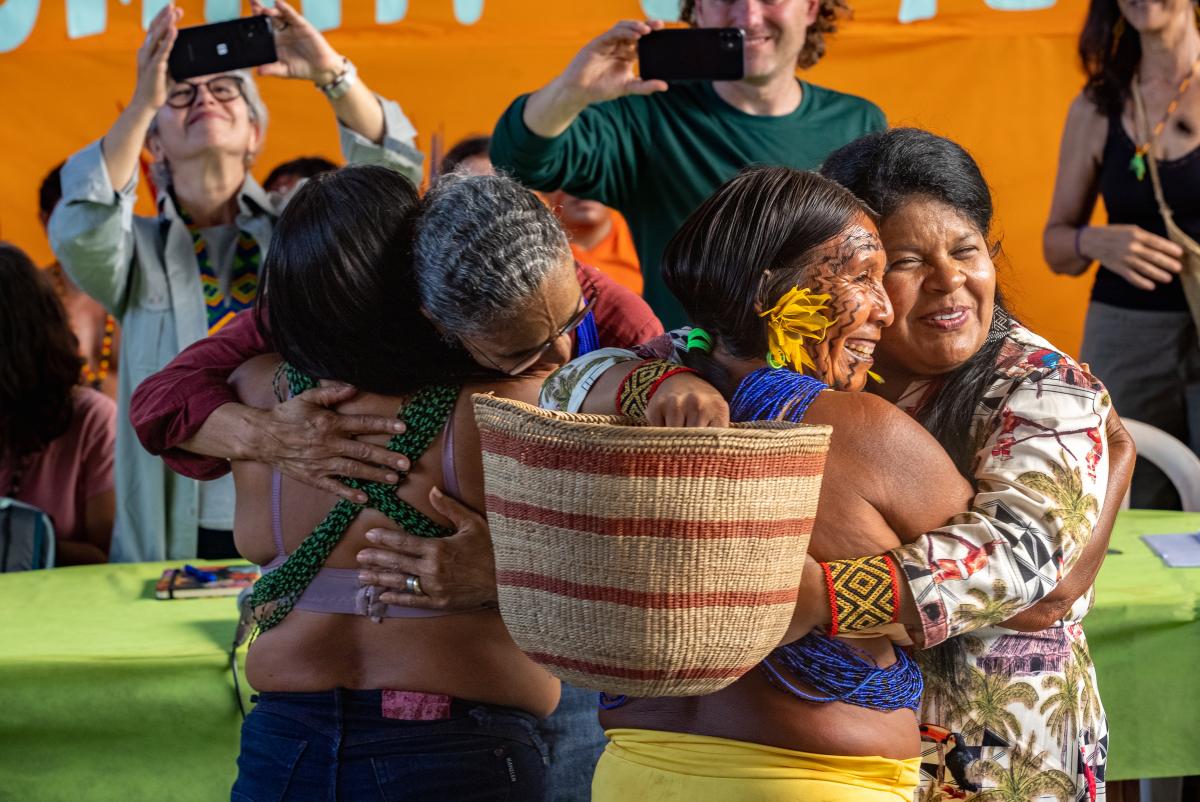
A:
[(647, 561)]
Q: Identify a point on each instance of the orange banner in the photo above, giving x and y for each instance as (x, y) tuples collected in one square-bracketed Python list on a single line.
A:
[(996, 76)]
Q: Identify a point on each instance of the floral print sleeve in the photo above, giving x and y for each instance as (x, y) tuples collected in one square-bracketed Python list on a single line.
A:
[(1041, 474)]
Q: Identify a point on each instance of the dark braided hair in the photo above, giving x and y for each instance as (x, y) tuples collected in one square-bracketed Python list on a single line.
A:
[(829, 14), (764, 218)]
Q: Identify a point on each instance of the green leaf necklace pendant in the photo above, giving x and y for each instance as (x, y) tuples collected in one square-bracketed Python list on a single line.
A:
[(1138, 163)]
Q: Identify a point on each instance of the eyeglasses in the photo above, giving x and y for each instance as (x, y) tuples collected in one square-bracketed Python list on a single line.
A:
[(223, 88), (527, 360)]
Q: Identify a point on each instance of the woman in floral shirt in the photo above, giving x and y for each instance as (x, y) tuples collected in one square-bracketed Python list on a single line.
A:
[(1008, 715)]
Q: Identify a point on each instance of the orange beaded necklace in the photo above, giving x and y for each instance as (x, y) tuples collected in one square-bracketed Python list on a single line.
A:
[(92, 378), (1138, 163), (96, 378)]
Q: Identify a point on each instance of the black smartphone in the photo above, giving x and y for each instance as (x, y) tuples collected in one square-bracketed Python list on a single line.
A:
[(691, 54), (221, 47)]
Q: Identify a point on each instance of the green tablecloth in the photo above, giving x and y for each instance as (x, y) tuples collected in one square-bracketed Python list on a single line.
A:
[(1144, 634), (108, 693)]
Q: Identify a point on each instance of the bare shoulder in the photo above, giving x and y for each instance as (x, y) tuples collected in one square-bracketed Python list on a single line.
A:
[(1086, 128), (254, 380), (862, 417), (880, 436)]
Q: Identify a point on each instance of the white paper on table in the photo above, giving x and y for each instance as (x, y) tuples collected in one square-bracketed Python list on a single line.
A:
[(1177, 551)]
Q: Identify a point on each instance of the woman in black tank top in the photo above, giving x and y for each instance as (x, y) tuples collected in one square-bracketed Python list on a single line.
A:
[(1140, 338)]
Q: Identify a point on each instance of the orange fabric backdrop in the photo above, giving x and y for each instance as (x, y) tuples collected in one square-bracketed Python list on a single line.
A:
[(997, 81)]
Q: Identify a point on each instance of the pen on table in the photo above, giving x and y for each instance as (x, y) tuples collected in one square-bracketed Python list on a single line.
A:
[(198, 575)]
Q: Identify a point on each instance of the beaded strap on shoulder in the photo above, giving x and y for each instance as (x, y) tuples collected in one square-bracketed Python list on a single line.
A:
[(424, 415), (774, 394)]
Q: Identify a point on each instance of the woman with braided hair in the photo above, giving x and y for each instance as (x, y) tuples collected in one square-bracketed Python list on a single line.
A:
[(358, 698)]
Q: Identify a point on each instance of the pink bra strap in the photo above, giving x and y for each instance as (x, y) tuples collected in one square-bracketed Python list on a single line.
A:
[(276, 520), (449, 471)]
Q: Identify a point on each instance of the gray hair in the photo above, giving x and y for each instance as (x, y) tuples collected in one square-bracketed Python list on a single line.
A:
[(484, 245), (160, 171)]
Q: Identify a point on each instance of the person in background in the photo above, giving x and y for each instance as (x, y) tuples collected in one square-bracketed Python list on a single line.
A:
[(284, 178), (56, 436), (470, 154), (654, 152), (599, 237), (95, 329), (183, 274), (1139, 338)]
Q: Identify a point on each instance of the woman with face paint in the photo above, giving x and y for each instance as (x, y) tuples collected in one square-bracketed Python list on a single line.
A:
[(1048, 460), (787, 243)]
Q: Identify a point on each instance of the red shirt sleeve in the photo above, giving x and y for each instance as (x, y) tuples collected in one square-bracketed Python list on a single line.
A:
[(623, 319), (171, 406)]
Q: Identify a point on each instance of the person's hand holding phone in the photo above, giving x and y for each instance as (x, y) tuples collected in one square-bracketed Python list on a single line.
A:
[(605, 69), (152, 77), (303, 51)]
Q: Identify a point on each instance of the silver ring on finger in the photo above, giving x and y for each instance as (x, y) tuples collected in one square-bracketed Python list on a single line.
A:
[(412, 584)]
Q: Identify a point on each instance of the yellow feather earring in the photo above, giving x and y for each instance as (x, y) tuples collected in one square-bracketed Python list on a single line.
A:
[(796, 317)]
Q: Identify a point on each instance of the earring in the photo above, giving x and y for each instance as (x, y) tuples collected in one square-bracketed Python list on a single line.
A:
[(1119, 31)]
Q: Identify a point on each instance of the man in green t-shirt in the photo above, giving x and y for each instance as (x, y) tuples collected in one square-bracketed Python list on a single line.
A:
[(655, 152)]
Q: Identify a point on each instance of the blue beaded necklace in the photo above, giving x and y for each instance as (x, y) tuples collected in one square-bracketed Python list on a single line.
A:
[(833, 668), (843, 674), (771, 394)]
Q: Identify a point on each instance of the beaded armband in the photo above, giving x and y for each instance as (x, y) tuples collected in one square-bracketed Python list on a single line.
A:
[(635, 392), (863, 593)]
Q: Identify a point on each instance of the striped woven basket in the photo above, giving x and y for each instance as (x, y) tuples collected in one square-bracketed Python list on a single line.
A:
[(647, 561)]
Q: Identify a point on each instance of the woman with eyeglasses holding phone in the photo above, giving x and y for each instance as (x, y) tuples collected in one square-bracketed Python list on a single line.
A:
[(174, 278)]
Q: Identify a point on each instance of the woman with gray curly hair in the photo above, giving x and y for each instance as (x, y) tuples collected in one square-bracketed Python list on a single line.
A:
[(173, 278), (653, 152), (359, 698)]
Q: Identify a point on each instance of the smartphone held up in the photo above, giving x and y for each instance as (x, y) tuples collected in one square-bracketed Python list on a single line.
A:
[(221, 47), (691, 54)]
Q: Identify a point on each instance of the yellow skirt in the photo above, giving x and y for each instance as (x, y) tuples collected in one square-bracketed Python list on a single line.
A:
[(654, 766)]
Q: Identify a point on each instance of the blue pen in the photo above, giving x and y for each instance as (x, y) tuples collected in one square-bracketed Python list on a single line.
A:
[(198, 575)]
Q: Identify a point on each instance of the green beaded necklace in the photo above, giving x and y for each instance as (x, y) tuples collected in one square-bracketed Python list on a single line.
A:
[(424, 415)]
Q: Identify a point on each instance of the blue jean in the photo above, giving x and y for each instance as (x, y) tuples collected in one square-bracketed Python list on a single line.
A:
[(336, 745), (576, 740)]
